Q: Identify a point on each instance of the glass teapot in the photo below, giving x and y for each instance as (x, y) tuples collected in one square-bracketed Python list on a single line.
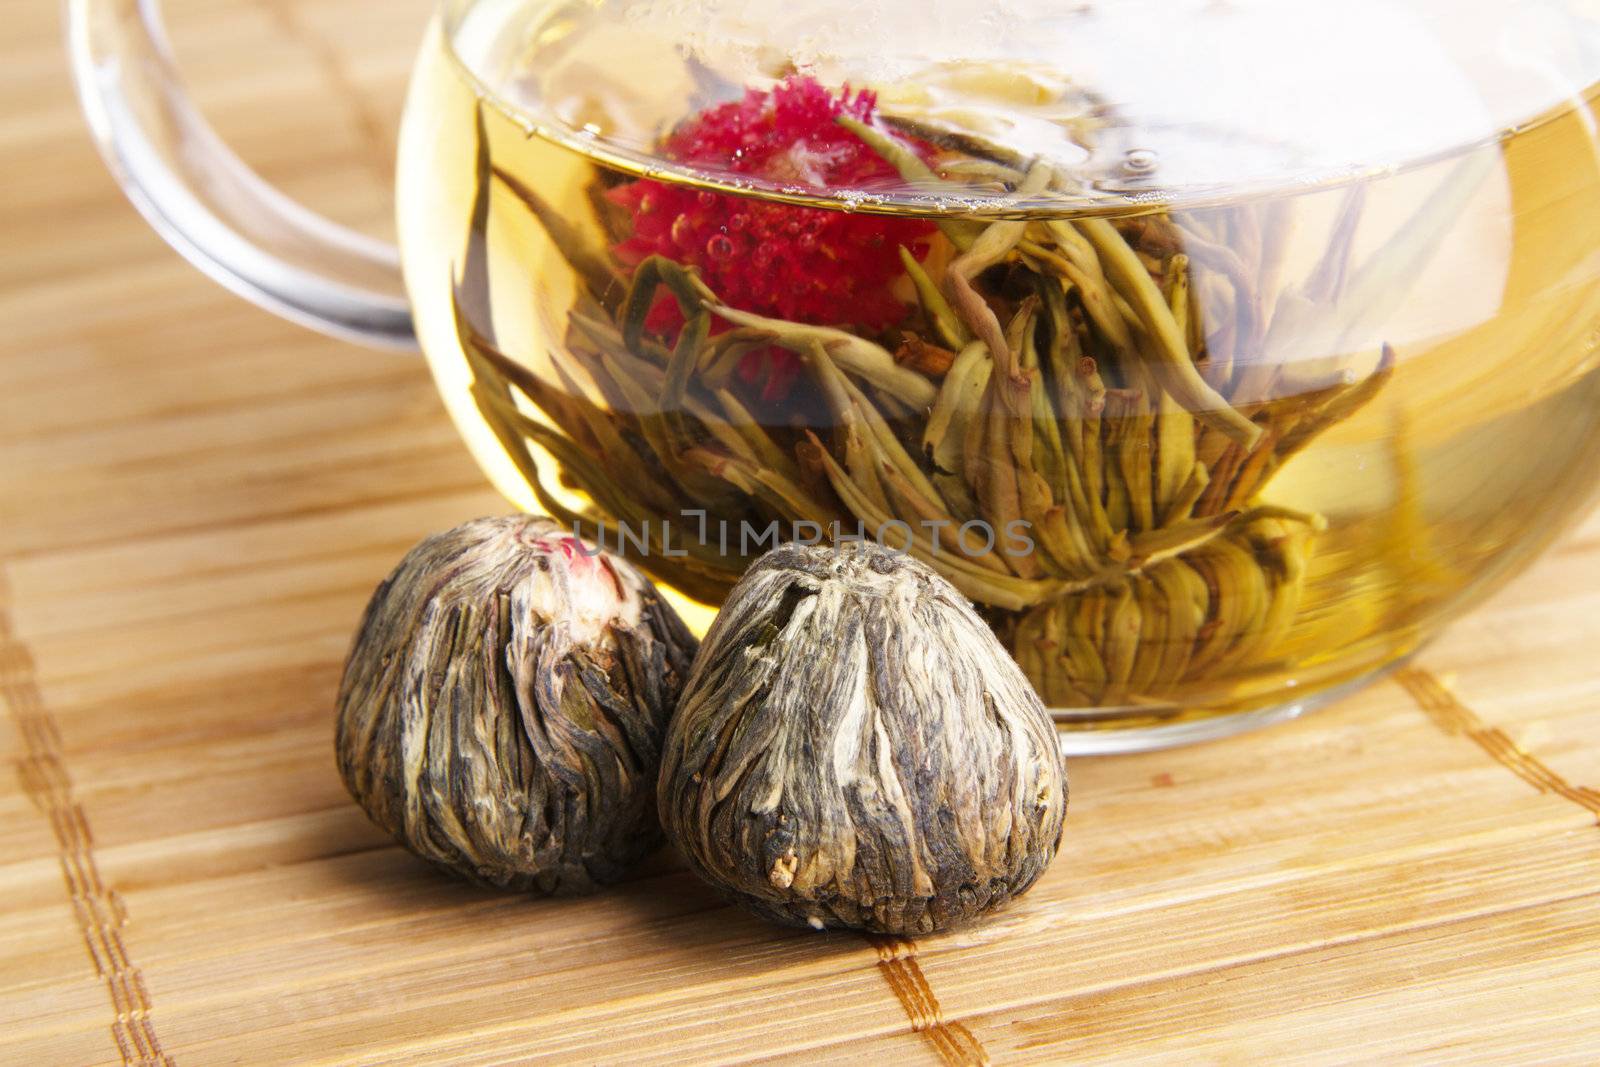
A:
[(1220, 351)]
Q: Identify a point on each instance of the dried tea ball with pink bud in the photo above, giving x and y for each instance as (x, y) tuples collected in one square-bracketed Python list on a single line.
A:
[(504, 704), (854, 748)]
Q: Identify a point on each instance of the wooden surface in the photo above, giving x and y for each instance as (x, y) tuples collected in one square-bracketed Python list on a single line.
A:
[(195, 501)]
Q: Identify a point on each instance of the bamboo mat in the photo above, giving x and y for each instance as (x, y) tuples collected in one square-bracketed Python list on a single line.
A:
[(195, 501)]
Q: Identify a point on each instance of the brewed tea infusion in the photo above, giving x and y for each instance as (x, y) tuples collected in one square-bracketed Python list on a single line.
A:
[(1201, 394)]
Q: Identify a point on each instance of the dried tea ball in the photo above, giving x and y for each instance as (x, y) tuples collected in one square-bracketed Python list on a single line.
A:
[(854, 748), (504, 703)]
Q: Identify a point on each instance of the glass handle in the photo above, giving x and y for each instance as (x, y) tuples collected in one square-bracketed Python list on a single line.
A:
[(207, 204)]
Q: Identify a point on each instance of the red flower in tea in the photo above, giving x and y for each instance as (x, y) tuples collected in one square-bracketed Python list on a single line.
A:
[(803, 264)]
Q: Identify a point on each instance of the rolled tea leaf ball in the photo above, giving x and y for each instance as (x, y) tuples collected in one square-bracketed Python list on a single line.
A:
[(854, 748), (504, 704)]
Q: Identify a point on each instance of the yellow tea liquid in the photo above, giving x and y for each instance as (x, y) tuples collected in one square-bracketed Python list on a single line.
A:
[(1415, 347)]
